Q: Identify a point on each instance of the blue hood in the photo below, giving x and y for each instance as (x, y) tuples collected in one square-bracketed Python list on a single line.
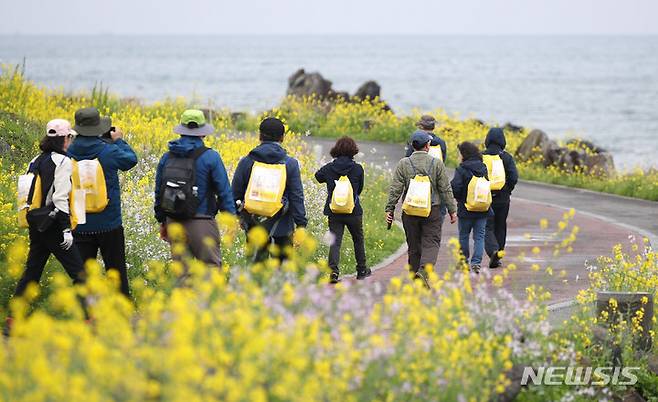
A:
[(268, 152), (495, 137), (184, 145)]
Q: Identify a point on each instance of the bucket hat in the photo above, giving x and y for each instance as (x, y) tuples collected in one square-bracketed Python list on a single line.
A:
[(89, 123), (193, 123), (426, 122)]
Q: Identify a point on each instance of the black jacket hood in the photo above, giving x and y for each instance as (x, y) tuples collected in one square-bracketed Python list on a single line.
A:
[(475, 167), (495, 137), (342, 165)]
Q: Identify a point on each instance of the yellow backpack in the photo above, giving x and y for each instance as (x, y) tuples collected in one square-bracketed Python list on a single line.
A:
[(88, 177), (267, 183), (26, 204), (496, 171), (418, 201), (436, 152), (478, 198), (342, 199)]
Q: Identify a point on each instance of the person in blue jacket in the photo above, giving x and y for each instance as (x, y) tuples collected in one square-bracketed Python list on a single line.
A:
[(103, 230), (470, 221), (344, 165), (427, 124), (281, 226), (211, 189), (496, 235)]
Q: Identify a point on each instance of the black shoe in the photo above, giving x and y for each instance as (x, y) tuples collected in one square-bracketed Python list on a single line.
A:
[(334, 278), (363, 274), (494, 261)]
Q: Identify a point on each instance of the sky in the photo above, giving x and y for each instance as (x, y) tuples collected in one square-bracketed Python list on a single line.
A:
[(488, 17)]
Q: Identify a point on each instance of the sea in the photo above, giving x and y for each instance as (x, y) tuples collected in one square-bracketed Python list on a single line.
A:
[(601, 88)]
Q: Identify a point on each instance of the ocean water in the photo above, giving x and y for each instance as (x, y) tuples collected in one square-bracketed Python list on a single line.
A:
[(600, 88)]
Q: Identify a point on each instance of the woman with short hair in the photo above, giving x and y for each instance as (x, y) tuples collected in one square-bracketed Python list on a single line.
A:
[(343, 164)]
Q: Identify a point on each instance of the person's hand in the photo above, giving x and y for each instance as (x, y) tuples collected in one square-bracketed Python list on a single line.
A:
[(453, 218), (68, 239), (116, 134), (163, 232), (389, 217)]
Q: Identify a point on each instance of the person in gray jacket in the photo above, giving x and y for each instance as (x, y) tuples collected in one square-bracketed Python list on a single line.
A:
[(423, 234)]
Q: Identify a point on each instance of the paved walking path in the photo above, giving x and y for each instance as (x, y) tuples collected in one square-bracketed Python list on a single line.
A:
[(604, 220)]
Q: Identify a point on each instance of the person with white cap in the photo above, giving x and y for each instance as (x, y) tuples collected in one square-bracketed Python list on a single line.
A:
[(48, 205)]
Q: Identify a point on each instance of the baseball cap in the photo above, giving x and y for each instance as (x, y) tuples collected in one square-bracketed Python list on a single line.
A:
[(419, 139), (58, 128)]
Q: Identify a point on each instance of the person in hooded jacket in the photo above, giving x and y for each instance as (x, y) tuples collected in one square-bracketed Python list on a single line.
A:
[(496, 234), (213, 190), (281, 226), (103, 230), (470, 221), (343, 164)]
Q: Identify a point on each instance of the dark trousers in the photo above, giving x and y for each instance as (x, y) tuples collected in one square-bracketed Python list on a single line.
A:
[(42, 245), (112, 246), (423, 238), (496, 234), (276, 247), (354, 224)]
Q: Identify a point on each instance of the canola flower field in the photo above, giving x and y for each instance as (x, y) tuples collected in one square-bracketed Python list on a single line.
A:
[(264, 333)]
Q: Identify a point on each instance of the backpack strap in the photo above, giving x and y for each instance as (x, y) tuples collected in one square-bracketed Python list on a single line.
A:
[(197, 152), (34, 169), (413, 167)]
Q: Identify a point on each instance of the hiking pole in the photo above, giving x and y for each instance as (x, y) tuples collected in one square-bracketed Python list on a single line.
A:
[(388, 227)]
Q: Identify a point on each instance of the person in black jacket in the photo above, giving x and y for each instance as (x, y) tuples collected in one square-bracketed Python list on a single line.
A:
[(344, 165), (476, 222), (496, 234), (293, 214)]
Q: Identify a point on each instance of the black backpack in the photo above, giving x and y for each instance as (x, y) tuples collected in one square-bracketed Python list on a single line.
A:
[(179, 194)]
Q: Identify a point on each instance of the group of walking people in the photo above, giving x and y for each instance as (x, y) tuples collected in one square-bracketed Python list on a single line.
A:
[(477, 197), (70, 196)]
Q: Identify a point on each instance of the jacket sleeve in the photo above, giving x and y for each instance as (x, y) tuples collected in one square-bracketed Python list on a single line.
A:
[(445, 190), (398, 184), (221, 183), (320, 175), (159, 215), (444, 150), (240, 180), (457, 185), (62, 190), (121, 156), (511, 173), (296, 194), (362, 176)]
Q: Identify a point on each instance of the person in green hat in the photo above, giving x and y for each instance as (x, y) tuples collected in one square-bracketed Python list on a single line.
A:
[(191, 187), (98, 141)]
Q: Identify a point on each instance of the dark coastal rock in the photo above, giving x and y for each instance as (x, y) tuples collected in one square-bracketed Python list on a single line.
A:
[(477, 122), (340, 96), (600, 164), (534, 142), (512, 127), (369, 90), (652, 362), (587, 145), (303, 84), (551, 153)]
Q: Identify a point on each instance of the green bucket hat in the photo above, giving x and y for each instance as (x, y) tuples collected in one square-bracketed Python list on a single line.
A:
[(89, 123), (193, 123)]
